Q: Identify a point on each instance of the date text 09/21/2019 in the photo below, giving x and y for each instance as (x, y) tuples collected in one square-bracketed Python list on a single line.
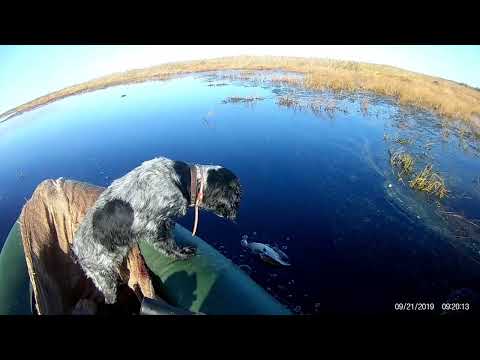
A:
[(404, 306)]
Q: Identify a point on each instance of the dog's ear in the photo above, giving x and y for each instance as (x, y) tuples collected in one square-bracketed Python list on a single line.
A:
[(223, 192)]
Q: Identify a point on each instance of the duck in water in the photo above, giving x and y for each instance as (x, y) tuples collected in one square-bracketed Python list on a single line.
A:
[(269, 254)]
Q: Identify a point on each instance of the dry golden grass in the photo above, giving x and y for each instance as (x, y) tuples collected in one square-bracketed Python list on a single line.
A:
[(403, 162), (430, 182), (287, 80), (446, 98)]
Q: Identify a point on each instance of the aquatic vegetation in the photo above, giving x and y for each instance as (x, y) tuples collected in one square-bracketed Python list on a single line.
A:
[(241, 99), (329, 106), (430, 182), (318, 106), (237, 76), (216, 85), (403, 141), (364, 107), (404, 162), (289, 102), (287, 80), (247, 72), (429, 145)]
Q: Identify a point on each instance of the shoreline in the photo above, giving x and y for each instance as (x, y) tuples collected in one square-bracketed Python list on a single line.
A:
[(445, 98)]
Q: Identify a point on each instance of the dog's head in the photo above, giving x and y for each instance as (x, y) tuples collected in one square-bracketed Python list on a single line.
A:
[(222, 192)]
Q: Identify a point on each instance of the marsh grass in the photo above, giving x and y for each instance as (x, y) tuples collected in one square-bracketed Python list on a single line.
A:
[(430, 182), (403, 162), (318, 106), (403, 141), (329, 106), (289, 102), (216, 85), (364, 107), (446, 98), (287, 80), (242, 99)]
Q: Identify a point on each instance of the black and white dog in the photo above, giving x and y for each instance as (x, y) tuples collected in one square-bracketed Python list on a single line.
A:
[(142, 206)]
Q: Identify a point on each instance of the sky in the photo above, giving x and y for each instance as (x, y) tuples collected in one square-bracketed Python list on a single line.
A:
[(30, 71)]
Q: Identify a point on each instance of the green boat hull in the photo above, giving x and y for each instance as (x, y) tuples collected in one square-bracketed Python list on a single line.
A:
[(207, 283)]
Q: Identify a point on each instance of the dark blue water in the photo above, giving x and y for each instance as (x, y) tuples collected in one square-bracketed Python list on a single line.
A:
[(315, 185)]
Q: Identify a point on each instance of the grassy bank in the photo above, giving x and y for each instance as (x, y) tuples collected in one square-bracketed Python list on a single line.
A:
[(447, 98)]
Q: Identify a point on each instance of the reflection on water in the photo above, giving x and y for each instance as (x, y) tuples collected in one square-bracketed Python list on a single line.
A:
[(316, 177)]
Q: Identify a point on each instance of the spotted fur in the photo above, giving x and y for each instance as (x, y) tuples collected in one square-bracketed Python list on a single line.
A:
[(143, 205)]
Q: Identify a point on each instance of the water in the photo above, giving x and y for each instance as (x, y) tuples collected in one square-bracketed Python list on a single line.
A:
[(316, 185)]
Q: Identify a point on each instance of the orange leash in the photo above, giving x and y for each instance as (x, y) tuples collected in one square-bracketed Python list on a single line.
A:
[(197, 203)]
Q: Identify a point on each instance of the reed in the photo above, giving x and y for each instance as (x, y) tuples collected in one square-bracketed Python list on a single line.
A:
[(403, 141), (403, 162), (242, 99), (430, 182), (289, 102)]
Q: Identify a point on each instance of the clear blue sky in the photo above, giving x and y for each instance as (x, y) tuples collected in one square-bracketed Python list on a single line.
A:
[(27, 72)]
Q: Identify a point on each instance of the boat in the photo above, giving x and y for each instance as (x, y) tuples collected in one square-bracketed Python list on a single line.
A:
[(208, 283)]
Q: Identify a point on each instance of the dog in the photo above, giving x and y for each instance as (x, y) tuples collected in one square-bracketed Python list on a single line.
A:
[(142, 205)]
